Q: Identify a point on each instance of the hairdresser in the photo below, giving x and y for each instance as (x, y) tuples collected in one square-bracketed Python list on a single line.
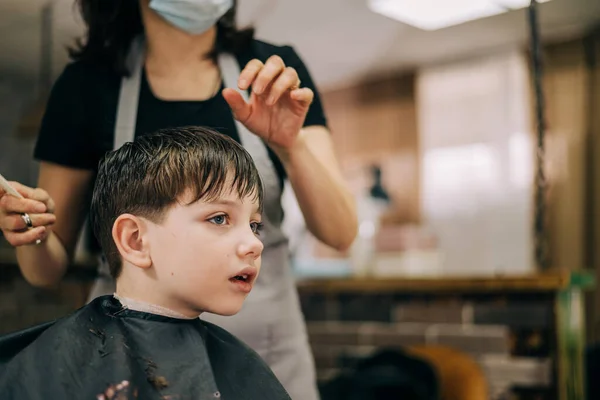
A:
[(150, 64)]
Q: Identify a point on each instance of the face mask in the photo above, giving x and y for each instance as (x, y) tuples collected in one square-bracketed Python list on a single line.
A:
[(192, 16)]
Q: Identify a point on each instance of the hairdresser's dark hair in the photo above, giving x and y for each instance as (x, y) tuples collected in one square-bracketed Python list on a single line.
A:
[(147, 176), (111, 26)]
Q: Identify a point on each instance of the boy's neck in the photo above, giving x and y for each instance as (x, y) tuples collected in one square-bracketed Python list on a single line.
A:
[(143, 306)]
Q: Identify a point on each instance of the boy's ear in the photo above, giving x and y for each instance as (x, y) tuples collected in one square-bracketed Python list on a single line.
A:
[(129, 234)]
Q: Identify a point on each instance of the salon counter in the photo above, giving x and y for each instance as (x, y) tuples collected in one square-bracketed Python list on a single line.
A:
[(543, 282), (543, 313)]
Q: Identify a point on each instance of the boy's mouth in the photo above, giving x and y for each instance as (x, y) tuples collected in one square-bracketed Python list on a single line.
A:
[(244, 279)]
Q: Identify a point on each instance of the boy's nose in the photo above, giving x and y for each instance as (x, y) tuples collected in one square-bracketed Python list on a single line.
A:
[(251, 246)]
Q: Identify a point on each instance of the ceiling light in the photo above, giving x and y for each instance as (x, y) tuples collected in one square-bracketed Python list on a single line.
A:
[(436, 14)]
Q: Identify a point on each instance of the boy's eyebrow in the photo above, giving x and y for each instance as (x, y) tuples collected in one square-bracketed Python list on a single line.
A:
[(231, 203), (223, 202)]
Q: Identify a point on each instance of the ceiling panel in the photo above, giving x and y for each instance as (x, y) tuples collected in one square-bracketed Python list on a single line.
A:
[(340, 40)]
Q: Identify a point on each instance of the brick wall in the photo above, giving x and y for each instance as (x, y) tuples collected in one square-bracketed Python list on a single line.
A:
[(511, 338)]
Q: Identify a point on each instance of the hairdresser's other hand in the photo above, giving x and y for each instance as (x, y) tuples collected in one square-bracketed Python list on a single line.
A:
[(37, 204), (277, 106)]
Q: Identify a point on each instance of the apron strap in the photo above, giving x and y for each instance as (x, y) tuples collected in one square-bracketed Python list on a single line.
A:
[(129, 96), (126, 119)]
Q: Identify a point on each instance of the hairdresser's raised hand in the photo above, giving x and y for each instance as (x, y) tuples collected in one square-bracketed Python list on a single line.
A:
[(277, 106), (37, 204)]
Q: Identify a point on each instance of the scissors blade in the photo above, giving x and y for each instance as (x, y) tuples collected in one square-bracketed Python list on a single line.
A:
[(8, 188)]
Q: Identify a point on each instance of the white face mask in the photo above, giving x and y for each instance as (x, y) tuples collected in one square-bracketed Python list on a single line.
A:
[(192, 16)]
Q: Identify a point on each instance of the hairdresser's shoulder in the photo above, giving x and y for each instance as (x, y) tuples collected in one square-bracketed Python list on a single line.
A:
[(84, 75)]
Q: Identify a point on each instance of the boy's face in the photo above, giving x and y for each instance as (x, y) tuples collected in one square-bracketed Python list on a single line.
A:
[(207, 254)]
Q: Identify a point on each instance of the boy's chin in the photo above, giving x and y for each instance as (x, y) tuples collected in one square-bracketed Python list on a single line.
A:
[(226, 310)]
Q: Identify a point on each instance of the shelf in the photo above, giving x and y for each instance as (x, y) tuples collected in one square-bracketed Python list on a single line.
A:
[(543, 282)]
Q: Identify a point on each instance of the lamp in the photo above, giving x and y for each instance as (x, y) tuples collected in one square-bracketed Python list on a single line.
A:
[(437, 14)]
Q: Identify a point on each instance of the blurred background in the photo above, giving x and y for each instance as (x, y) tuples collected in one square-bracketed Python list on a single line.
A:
[(433, 114)]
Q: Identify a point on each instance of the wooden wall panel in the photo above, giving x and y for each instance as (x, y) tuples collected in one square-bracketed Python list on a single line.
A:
[(592, 210), (566, 83), (375, 123)]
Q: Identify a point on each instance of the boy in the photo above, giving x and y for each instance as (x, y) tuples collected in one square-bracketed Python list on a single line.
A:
[(177, 214)]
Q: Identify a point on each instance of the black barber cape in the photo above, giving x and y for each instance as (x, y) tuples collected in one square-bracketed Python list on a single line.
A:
[(103, 344)]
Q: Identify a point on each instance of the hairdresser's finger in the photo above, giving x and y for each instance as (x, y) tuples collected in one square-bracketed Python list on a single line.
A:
[(15, 223), (110, 392), (267, 75), (303, 95), (11, 204), (28, 237), (240, 109), (34, 194), (39, 195), (50, 205), (286, 81), (249, 73)]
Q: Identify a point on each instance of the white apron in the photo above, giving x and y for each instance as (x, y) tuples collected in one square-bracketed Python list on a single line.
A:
[(271, 321)]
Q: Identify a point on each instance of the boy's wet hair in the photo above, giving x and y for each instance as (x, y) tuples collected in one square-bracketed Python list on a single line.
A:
[(147, 176)]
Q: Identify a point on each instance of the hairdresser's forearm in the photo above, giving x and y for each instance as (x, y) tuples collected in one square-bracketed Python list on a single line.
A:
[(45, 264), (326, 203)]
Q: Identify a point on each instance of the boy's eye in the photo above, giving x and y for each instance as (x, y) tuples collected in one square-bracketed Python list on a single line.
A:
[(218, 219), (256, 227)]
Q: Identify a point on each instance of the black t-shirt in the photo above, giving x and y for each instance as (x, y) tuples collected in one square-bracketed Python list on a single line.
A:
[(78, 126)]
